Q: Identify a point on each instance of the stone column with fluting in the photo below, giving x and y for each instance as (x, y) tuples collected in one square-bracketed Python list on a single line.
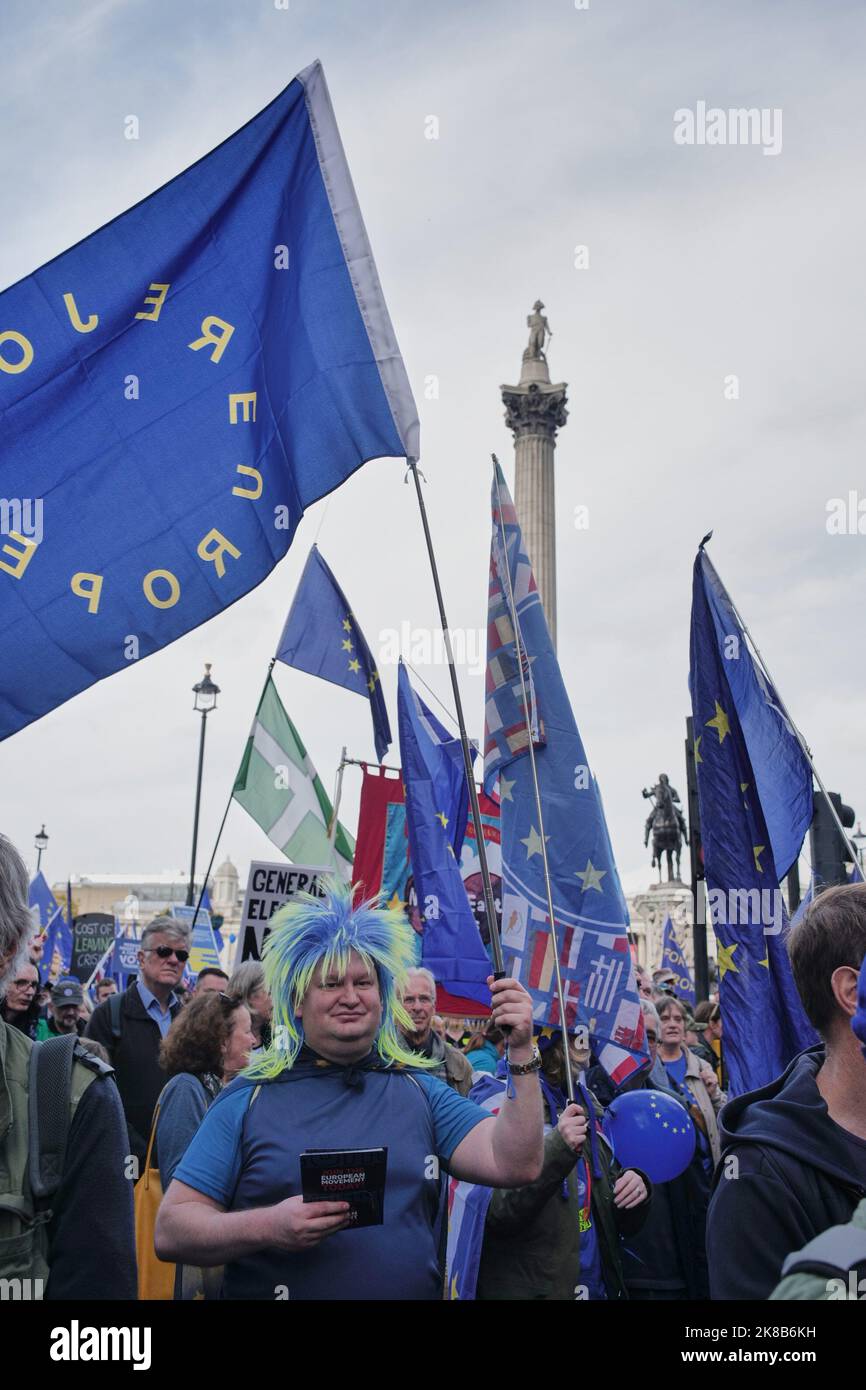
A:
[(534, 411)]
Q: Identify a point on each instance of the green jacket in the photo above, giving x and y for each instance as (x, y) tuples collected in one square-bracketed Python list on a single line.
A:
[(805, 1286), (23, 1230), (532, 1235)]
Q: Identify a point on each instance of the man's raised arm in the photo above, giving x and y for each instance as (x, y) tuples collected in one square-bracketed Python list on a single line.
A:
[(508, 1151)]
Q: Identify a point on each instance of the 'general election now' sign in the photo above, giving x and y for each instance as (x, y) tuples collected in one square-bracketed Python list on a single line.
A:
[(269, 887)]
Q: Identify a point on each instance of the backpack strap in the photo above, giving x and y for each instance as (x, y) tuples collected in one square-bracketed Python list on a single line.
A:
[(832, 1253), (115, 1005), (50, 1089)]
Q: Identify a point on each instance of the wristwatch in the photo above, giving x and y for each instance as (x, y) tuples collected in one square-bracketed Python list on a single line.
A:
[(524, 1068)]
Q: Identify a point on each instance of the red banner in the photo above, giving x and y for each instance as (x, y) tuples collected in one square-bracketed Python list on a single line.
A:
[(379, 791)]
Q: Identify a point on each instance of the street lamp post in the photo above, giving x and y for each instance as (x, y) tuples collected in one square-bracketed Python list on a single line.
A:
[(41, 843), (205, 700)]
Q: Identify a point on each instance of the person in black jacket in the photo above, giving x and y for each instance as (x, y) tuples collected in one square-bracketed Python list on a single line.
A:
[(143, 1016), (664, 1259), (794, 1153)]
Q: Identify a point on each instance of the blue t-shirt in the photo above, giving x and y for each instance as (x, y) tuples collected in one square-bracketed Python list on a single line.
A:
[(246, 1154), (676, 1070)]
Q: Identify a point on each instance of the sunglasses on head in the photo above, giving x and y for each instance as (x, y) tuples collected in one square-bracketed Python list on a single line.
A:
[(165, 951)]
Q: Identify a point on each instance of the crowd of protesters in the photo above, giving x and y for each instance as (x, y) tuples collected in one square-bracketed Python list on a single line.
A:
[(181, 1080)]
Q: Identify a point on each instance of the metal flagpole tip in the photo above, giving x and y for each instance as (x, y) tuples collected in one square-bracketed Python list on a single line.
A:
[(707, 537)]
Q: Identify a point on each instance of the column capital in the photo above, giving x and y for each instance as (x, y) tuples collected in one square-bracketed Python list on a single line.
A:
[(536, 408)]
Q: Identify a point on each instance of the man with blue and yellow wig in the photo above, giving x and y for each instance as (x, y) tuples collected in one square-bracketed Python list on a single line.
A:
[(339, 1075)]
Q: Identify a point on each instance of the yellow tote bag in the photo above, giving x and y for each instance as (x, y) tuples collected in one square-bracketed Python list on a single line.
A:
[(155, 1276)]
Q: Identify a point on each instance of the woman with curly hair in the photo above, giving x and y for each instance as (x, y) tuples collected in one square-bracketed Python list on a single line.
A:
[(208, 1044)]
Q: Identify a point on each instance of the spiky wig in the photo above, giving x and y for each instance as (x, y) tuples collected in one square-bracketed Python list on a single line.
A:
[(312, 934)]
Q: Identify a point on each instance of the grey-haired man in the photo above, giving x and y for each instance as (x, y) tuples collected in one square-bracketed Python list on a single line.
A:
[(131, 1026), (419, 1001)]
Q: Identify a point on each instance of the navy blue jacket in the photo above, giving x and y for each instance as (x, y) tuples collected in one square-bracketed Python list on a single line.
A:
[(793, 1178)]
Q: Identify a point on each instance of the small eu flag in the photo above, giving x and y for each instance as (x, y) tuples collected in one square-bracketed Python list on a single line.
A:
[(451, 946), (322, 637), (673, 959)]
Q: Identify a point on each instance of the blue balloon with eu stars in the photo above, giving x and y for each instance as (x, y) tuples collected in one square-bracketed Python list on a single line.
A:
[(650, 1131)]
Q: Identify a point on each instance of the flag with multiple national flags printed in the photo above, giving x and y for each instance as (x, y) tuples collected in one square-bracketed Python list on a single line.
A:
[(590, 910), (280, 788), (322, 636), (745, 754)]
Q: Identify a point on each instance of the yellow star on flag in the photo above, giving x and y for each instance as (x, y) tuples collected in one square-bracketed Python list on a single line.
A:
[(533, 842), (725, 960), (591, 877), (698, 758), (371, 683), (766, 961), (347, 626), (355, 666), (505, 788), (347, 645), (719, 722), (441, 816), (758, 850)]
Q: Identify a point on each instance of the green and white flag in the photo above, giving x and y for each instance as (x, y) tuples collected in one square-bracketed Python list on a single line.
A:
[(279, 787)]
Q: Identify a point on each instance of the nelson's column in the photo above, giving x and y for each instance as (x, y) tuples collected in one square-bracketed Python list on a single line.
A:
[(535, 410)]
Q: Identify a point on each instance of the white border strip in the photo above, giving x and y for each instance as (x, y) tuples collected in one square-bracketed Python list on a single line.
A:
[(359, 257)]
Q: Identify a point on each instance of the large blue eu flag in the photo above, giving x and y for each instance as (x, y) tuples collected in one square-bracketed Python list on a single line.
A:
[(175, 390), (322, 636), (436, 809), (765, 1025)]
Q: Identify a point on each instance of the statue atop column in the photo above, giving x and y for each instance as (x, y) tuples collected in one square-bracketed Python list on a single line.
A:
[(667, 824), (539, 329)]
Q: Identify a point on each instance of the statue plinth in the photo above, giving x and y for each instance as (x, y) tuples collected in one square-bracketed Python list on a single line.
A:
[(649, 911)]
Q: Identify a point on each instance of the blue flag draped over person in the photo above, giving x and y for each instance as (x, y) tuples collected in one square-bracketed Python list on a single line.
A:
[(321, 636), (673, 959), (48, 918), (591, 913), (176, 390), (764, 1022), (436, 810), (783, 776)]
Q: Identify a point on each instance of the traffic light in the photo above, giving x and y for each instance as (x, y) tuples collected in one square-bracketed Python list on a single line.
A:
[(830, 852)]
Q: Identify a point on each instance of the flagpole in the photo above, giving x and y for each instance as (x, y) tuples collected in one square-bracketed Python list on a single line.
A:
[(799, 737), (515, 621), (338, 792), (489, 902), (271, 665)]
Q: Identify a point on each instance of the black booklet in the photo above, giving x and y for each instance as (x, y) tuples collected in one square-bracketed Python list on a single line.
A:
[(356, 1176)]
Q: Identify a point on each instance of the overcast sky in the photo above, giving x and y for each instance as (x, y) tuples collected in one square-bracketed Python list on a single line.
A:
[(555, 130)]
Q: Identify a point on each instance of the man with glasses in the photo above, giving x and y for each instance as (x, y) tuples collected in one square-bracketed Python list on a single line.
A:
[(419, 1001), (20, 1008), (132, 1025)]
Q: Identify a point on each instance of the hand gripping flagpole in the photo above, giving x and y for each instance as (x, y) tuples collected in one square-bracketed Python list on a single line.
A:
[(518, 639), (489, 902), (784, 709)]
